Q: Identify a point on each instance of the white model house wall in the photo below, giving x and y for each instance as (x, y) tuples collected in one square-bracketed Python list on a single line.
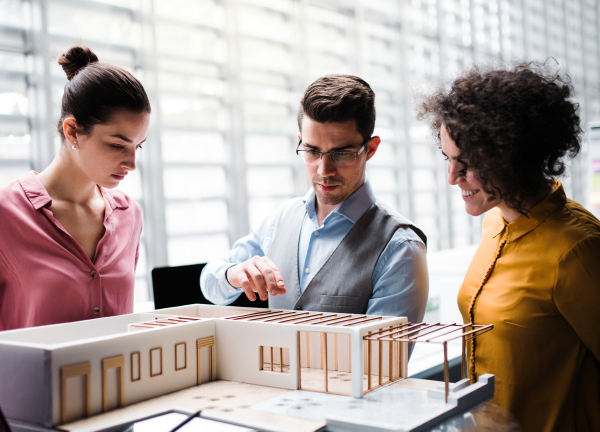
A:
[(25, 357), (162, 341), (24, 378), (69, 333), (32, 360), (238, 352)]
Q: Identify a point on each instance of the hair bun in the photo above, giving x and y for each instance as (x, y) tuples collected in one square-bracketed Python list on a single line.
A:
[(76, 58)]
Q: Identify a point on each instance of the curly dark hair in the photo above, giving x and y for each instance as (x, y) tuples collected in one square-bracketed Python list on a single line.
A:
[(513, 127)]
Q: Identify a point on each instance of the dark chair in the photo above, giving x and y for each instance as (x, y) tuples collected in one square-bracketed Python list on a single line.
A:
[(180, 286), (4, 427)]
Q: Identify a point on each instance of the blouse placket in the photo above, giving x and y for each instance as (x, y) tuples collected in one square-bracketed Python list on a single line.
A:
[(484, 279)]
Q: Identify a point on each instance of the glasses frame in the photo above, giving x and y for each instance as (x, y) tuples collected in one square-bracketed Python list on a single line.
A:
[(321, 154)]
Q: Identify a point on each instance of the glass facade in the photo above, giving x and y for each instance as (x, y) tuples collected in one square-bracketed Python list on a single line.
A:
[(225, 76)]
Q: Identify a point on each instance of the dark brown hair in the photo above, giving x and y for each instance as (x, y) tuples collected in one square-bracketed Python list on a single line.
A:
[(96, 90), (513, 127), (337, 99)]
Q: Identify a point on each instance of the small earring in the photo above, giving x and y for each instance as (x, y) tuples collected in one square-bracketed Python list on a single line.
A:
[(74, 147)]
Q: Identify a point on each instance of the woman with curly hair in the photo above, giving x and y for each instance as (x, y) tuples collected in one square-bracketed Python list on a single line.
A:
[(536, 272)]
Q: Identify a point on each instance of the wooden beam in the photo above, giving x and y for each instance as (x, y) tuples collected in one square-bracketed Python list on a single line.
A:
[(324, 358), (446, 372), (299, 364)]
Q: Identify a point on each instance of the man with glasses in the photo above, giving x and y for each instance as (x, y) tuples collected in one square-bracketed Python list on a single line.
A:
[(336, 249)]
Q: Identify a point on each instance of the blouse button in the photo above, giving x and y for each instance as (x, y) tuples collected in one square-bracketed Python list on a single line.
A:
[(94, 274), (96, 310)]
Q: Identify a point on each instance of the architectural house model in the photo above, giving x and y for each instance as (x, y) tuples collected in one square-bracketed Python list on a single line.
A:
[(74, 370)]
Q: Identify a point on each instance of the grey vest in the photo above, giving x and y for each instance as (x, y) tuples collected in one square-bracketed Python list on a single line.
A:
[(344, 283)]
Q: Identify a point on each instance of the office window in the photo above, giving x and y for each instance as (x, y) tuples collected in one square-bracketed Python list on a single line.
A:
[(225, 78)]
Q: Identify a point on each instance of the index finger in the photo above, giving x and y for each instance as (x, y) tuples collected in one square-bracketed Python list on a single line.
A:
[(277, 274)]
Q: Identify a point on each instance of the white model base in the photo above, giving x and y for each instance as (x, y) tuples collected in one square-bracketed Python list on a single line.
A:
[(388, 409), (413, 410)]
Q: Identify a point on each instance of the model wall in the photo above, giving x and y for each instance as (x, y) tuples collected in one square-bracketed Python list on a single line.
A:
[(24, 374), (238, 352), (47, 336), (147, 386)]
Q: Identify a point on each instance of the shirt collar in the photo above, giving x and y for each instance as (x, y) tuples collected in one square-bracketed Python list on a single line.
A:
[(38, 196), (536, 216), (114, 198), (34, 190), (352, 208)]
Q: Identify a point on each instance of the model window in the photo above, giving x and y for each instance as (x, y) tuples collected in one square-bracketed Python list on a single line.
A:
[(274, 359)]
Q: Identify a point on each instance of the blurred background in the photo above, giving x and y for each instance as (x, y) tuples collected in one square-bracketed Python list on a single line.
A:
[(225, 77)]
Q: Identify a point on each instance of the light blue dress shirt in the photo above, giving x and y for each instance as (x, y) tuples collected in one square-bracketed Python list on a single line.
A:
[(400, 280)]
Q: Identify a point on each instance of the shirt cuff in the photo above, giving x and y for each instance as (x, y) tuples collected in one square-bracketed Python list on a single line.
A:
[(227, 285)]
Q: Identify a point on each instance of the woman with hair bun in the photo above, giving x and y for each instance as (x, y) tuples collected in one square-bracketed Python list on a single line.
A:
[(536, 273), (70, 242)]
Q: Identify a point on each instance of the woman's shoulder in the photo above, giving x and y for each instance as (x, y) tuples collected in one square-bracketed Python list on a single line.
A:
[(12, 195), (584, 218), (9, 191), (579, 219), (572, 224)]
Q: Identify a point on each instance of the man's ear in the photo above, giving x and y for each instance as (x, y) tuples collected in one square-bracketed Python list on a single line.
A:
[(372, 146), (70, 129), (299, 136)]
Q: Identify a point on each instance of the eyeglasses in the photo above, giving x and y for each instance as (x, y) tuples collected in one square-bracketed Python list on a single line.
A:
[(338, 158)]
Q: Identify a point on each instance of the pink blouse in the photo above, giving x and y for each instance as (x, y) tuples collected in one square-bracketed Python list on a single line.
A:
[(46, 277)]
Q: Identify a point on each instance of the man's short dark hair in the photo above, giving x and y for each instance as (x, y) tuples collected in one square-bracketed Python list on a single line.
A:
[(337, 99)]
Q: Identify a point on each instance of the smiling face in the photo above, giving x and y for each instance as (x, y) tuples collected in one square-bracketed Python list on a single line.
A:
[(333, 184), (476, 199), (108, 152)]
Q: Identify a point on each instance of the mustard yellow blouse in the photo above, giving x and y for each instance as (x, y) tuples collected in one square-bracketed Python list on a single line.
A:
[(538, 281)]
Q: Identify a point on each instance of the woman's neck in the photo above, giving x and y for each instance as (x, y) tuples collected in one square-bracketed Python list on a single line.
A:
[(65, 181), (510, 215)]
